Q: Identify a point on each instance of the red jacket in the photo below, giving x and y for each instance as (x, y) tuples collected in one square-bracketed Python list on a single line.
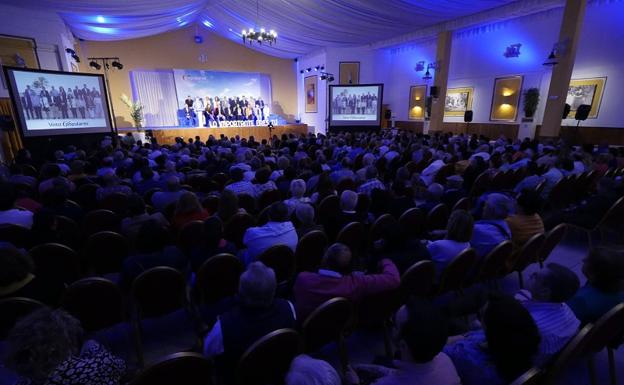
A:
[(312, 289)]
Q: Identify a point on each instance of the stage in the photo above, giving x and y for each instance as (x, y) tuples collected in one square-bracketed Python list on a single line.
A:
[(167, 135)]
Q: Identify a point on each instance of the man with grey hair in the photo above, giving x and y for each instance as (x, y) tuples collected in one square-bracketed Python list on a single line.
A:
[(371, 181), (256, 314), (305, 370), (297, 189), (162, 199), (492, 229), (305, 217)]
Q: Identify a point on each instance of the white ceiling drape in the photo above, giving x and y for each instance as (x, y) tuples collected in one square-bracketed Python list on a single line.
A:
[(303, 26)]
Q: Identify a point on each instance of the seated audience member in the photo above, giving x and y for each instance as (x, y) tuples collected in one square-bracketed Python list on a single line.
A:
[(278, 231), (454, 190), (111, 185), (228, 206), (476, 167), (305, 216), (257, 314), (239, 185), (18, 177), (173, 192), (367, 160), (305, 370), (148, 180), (324, 188), (428, 174), (526, 222), (56, 200), (344, 172), (492, 229), (547, 291), (336, 279), (551, 177), (283, 182), (188, 209), (395, 245), (17, 277), (420, 335), (262, 182), (50, 175), (502, 351), (531, 181), (402, 199), (150, 251), (604, 269), (44, 228), (137, 215), (596, 206), (9, 214), (213, 243), (458, 234), (297, 190), (372, 182), (348, 213), (46, 347), (433, 197)]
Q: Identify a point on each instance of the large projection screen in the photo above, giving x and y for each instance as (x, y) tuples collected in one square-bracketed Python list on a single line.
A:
[(355, 105), (58, 103)]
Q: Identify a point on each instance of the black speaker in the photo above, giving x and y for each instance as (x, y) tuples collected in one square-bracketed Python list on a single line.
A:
[(566, 111), (433, 91), (6, 123), (468, 116), (582, 112), (388, 115)]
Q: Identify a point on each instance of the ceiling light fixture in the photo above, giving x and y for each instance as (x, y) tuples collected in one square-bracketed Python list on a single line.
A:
[(261, 35), (95, 65), (327, 76), (552, 59)]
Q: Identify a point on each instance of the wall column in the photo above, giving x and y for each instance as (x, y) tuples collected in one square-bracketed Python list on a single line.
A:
[(570, 32), (440, 80)]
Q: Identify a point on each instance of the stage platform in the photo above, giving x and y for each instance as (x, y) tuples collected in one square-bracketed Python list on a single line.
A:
[(167, 135)]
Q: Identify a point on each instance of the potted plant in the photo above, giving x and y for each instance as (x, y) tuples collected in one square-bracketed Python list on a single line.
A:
[(136, 111), (531, 99)]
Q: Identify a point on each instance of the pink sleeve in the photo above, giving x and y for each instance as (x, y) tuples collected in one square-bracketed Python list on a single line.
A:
[(388, 279)]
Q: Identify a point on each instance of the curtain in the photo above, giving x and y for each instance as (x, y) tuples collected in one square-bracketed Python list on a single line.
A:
[(11, 140), (156, 91)]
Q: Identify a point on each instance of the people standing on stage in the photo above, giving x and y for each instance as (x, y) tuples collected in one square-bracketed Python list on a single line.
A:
[(188, 106), (36, 103), (71, 103), (63, 103), (97, 103), (56, 102), (27, 103), (82, 105), (90, 104), (46, 101)]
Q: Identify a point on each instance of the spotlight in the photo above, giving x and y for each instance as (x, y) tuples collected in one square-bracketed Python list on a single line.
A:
[(117, 65), (330, 79), (95, 65), (76, 58), (71, 51), (301, 71), (198, 39), (308, 69), (323, 77), (317, 68)]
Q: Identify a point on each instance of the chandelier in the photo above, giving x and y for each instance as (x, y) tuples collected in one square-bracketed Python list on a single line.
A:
[(260, 36)]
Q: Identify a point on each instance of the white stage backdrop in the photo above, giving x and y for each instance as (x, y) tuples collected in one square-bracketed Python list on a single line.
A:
[(157, 92)]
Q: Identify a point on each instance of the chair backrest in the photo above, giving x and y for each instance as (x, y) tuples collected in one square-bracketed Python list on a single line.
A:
[(70, 234), (480, 185), (418, 280), (16, 235), (115, 202), (494, 264), (158, 291), (614, 215), (247, 202), (55, 262), (235, 227), (570, 355), (310, 250), (328, 209), (528, 253), (376, 230), (267, 361), (85, 195), (446, 171), (437, 217), (218, 278), (608, 329), (186, 368), (282, 260), (105, 252), (96, 302), (12, 310), (413, 222), (455, 274), (328, 323), (551, 240), (533, 376), (462, 204), (100, 220), (354, 236), (191, 236), (498, 181)]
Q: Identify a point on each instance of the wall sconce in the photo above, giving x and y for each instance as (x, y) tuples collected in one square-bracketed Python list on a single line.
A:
[(512, 51), (420, 66), (559, 49)]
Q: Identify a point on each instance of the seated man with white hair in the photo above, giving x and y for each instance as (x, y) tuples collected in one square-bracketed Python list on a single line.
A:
[(257, 313), (492, 229), (305, 216), (371, 181), (305, 370), (433, 197), (297, 189), (367, 160), (240, 186)]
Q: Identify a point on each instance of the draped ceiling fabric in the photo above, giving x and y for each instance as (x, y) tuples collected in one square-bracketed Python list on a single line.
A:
[(303, 26)]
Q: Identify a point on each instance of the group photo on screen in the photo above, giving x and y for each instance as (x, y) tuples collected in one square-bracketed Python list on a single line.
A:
[(355, 102)]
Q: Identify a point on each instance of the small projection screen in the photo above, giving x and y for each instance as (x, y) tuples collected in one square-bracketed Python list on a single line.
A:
[(355, 105), (51, 103)]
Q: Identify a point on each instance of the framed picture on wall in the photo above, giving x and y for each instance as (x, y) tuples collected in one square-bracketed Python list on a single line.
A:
[(17, 51), (585, 91), (349, 72), (458, 100), (310, 87), (417, 99), (505, 98)]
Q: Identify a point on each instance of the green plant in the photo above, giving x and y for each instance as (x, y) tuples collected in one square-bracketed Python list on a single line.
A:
[(531, 99), (136, 110)]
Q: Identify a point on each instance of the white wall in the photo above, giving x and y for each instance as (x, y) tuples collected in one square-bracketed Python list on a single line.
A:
[(46, 27)]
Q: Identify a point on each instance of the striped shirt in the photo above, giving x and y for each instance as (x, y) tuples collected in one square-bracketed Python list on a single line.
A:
[(242, 187)]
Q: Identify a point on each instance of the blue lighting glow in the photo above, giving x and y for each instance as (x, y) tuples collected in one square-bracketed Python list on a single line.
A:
[(207, 24), (104, 30), (100, 19)]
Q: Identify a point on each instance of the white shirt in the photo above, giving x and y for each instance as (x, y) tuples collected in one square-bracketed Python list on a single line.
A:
[(16, 217), (430, 172)]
